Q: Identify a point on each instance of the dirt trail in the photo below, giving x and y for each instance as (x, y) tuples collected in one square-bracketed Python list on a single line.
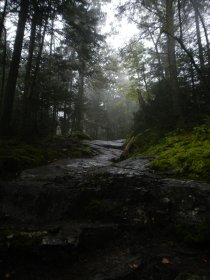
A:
[(97, 219)]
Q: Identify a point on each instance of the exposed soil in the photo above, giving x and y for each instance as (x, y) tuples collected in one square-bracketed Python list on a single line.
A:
[(97, 219)]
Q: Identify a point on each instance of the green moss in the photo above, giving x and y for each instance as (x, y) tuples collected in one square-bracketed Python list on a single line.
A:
[(191, 160), (16, 156), (28, 155), (186, 154)]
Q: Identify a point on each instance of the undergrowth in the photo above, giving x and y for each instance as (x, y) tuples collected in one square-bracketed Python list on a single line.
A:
[(16, 155)]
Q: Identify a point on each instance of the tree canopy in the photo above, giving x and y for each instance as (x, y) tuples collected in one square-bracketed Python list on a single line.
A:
[(171, 57), (58, 74)]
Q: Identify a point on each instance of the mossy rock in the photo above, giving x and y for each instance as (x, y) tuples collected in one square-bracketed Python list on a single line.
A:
[(185, 155), (29, 156), (16, 156), (19, 158), (80, 135)]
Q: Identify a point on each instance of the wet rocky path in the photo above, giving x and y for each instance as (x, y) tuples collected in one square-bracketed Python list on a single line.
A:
[(96, 219)]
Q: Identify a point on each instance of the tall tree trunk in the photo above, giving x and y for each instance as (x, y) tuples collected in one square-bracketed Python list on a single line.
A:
[(30, 56), (67, 105), (172, 60), (26, 119), (3, 18), (3, 67), (38, 61), (32, 98), (195, 5), (52, 36), (196, 8), (54, 119), (13, 72), (2, 28), (194, 92), (80, 99), (190, 55), (160, 64), (144, 77), (54, 112), (198, 33), (64, 125), (180, 19), (141, 101)]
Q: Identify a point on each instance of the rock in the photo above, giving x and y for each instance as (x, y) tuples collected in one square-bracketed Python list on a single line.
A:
[(95, 219), (189, 276)]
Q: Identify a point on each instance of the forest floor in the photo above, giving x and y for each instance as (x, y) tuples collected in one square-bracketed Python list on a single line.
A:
[(97, 218)]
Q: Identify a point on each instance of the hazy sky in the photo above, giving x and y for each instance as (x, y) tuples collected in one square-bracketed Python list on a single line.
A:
[(121, 30)]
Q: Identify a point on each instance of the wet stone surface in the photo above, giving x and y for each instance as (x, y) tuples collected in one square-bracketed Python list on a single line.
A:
[(97, 218)]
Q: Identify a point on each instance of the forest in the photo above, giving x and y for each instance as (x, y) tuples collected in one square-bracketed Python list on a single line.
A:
[(171, 80), (105, 139), (58, 74), (172, 74)]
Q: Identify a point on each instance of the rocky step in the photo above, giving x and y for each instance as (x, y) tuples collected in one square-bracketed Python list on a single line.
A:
[(100, 252), (107, 198)]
